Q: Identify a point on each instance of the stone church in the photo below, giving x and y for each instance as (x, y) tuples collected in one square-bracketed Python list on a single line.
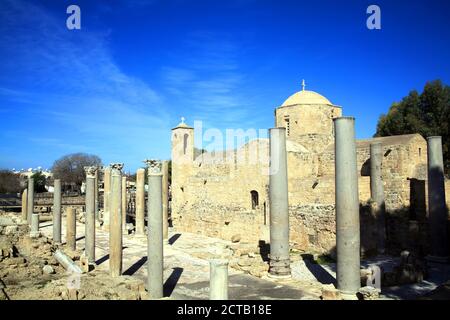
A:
[(216, 195)]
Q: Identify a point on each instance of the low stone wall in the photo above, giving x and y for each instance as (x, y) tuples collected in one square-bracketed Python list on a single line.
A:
[(47, 199)]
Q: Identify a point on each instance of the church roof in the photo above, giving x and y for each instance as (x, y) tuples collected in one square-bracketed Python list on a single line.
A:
[(306, 97)]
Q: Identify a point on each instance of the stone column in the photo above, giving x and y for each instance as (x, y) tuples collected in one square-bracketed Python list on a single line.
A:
[(140, 201), (90, 214), (124, 205), (30, 201), (437, 209), (24, 205), (279, 265), (165, 199), (96, 195), (106, 197), (218, 279), (115, 227), (71, 228), (155, 230), (347, 208), (57, 211), (34, 233), (377, 193)]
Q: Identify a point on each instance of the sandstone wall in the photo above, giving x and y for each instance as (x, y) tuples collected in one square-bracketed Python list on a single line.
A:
[(212, 194), (308, 125)]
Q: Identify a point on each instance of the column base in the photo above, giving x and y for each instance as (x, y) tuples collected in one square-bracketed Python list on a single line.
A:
[(437, 259), (279, 268), (279, 276)]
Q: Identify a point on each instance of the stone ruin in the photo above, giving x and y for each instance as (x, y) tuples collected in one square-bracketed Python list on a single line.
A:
[(24, 249)]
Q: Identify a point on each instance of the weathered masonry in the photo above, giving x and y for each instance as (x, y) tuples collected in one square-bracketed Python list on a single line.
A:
[(221, 195)]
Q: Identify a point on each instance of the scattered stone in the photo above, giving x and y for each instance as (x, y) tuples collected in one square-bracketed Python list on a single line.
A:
[(10, 230), (126, 294), (368, 293), (14, 261), (5, 221), (52, 261), (48, 269), (329, 292), (136, 286), (245, 262)]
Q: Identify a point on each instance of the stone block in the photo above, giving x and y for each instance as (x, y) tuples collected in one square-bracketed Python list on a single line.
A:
[(48, 269), (11, 230), (368, 293), (329, 292)]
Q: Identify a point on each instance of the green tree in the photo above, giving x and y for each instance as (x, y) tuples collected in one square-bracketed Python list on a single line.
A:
[(427, 113), (39, 182)]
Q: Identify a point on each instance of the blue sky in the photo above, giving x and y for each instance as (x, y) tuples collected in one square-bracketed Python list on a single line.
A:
[(116, 87)]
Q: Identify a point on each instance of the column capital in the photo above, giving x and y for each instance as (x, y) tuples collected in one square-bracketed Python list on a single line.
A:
[(218, 262), (117, 166), (434, 138), (90, 171), (154, 166)]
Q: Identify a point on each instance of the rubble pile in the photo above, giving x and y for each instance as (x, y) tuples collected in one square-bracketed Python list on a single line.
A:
[(29, 270)]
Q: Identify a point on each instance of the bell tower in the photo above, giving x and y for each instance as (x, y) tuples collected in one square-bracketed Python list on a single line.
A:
[(182, 144)]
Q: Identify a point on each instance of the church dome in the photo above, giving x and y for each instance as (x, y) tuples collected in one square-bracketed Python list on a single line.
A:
[(306, 97)]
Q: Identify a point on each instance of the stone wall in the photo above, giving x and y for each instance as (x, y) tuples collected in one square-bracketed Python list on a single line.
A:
[(214, 196), (308, 125), (213, 193)]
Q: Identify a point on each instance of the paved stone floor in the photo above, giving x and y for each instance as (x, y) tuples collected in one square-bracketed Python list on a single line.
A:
[(186, 266)]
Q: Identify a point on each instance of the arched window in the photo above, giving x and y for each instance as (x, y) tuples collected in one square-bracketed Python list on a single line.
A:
[(255, 200), (185, 142)]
